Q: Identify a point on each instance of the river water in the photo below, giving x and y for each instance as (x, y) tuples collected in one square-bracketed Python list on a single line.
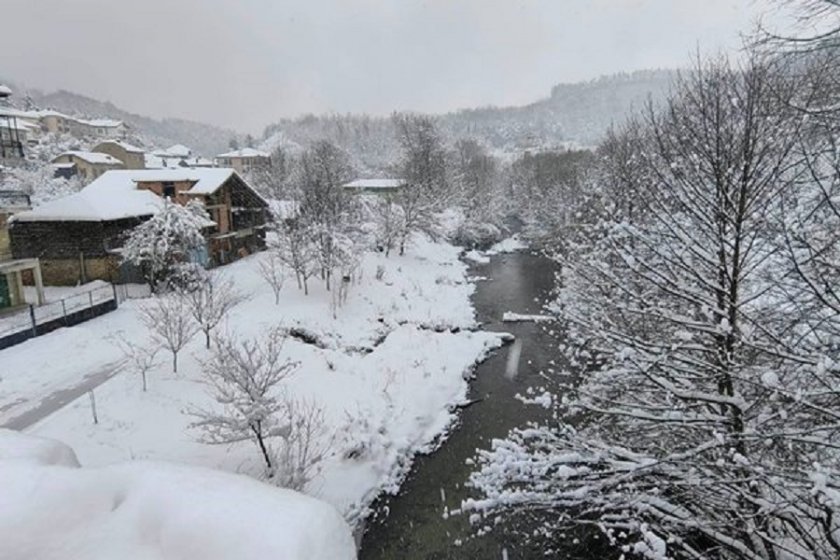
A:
[(414, 524)]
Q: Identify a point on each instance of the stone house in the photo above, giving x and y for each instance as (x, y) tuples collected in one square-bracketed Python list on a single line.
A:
[(244, 160), (131, 156), (78, 238), (89, 165)]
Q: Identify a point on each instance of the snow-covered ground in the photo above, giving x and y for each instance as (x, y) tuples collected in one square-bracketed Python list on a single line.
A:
[(381, 406), (54, 509)]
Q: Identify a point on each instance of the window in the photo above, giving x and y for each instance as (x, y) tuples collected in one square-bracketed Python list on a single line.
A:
[(168, 190)]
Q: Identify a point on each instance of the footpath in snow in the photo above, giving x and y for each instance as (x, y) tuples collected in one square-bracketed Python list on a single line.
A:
[(388, 372)]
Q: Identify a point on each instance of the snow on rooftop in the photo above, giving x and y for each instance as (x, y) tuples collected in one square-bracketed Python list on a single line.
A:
[(5, 91), (375, 184), (244, 153), (17, 124), (92, 157), (131, 148), (174, 151), (114, 195)]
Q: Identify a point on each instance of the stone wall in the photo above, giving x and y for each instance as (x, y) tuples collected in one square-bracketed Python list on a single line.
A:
[(65, 240)]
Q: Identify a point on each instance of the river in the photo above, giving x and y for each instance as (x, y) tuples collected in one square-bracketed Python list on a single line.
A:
[(414, 524)]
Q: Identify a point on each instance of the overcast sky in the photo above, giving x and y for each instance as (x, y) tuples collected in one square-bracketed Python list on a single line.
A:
[(244, 63)]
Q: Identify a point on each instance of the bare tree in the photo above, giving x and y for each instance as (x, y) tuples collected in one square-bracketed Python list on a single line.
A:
[(141, 358), (427, 190), (168, 318), (304, 444), (294, 246), (272, 271), (325, 208), (209, 300), (703, 419), (245, 378)]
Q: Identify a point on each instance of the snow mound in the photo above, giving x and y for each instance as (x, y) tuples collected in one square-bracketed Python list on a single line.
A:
[(509, 245), (511, 317), (15, 446), (156, 511)]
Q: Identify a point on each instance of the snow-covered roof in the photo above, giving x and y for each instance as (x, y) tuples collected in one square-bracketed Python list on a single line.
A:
[(63, 165), (174, 151), (244, 153), (11, 112), (131, 148), (18, 125), (5, 91), (92, 157), (114, 195), (100, 123), (207, 180), (375, 184)]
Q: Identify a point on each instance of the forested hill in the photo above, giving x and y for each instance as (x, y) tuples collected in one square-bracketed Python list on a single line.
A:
[(574, 115), (578, 113)]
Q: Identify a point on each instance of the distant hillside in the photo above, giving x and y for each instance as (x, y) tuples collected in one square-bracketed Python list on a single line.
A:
[(574, 115), (577, 113), (207, 140)]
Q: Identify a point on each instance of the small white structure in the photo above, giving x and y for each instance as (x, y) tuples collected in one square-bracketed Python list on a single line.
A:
[(375, 186)]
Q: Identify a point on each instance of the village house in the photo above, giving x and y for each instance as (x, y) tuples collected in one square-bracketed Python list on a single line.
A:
[(244, 160), (78, 238), (131, 156), (174, 157), (11, 202), (89, 165), (11, 145), (381, 187), (59, 123)]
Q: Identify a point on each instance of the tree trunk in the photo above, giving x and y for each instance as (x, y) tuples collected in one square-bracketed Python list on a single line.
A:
[(174, 361), (207, 339)]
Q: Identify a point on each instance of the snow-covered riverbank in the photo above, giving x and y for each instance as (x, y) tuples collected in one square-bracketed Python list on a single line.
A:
[(389, 378)]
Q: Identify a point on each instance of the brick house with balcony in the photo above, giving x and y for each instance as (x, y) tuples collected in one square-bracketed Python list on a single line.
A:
[(78, 237)]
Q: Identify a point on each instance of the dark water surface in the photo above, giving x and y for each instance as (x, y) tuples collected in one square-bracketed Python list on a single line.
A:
[(414, 524)]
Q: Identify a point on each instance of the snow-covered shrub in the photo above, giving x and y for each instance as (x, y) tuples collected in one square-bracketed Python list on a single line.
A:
[(477, 235), (165, 239)]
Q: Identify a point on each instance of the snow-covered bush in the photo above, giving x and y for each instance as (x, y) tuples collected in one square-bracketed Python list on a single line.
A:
[(166, 239), (477, 235)]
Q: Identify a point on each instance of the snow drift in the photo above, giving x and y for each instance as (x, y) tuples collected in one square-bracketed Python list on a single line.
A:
[(51, 509)]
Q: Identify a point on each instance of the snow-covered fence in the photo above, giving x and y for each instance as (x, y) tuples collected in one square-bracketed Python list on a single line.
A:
[(71, 310)]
